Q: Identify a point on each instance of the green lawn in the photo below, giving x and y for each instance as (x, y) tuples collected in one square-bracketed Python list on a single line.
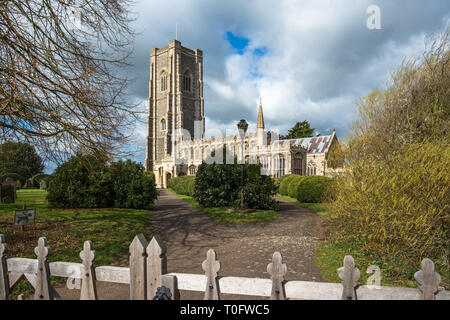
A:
[(320, 208), (110, 230), (221, 213)]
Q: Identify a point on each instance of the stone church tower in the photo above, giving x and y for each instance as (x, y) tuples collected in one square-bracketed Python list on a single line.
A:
[(175, 100)]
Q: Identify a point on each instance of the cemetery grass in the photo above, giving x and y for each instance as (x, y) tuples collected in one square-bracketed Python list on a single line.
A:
[(110, 230), (331, 250), (320, 208), (221, 214)]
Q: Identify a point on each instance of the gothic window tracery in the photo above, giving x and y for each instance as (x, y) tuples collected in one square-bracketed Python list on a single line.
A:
[(163, 79), (297, 167), (187, 81)]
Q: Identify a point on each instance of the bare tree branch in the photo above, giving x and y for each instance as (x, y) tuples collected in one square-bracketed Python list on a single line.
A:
[(60, 88)]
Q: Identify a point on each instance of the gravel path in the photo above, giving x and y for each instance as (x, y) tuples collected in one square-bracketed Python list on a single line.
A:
[(244, 249)]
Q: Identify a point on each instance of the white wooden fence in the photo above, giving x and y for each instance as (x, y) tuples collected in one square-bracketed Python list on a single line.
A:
[(148, 278)]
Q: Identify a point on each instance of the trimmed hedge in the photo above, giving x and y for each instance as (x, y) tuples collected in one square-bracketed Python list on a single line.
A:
[(294, 185), (307, 189), (284, 184), (182, 185), (313, 189)]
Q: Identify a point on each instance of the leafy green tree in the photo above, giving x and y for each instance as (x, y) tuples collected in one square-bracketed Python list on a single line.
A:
[(300, 130), (20, 158)]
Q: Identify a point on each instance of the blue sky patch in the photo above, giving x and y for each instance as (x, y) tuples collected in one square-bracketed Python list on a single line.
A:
[(259, 52), (238, 43)]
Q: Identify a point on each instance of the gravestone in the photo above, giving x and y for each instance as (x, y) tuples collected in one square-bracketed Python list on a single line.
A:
[(8, 193), (43, 185)]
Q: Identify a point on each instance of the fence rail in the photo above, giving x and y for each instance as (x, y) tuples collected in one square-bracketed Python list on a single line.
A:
[(147, 277)]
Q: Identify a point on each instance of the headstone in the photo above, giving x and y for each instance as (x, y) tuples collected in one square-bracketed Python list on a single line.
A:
[(8, 193), (10, 181), (43, 185)]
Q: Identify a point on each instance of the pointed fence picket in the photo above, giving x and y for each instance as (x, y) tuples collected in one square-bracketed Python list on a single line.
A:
[(148, 278)]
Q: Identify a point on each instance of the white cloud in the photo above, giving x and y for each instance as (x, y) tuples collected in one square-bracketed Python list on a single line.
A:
[(320, 56)]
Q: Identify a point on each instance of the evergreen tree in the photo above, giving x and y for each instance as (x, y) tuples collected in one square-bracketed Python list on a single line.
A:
[(20, 158), (300, 130)]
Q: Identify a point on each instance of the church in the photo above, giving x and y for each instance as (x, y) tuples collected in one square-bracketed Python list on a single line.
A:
[(176, 145)]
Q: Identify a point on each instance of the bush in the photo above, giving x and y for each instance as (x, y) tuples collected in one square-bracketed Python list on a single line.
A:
[(220, 185), (86, 181), (217, 185), (182, 185), (313, 189), (293, 186), (399, 210), (284, 184), (132, 188), (79, 183), (259, 195)]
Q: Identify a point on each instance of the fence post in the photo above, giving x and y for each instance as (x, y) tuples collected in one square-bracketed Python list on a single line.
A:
[(4, 279), (138, 276), (171, 282), (88, 287), (211, 267), (428, 280), (349, 275), (42, 289), (156, 265), (277, 270)]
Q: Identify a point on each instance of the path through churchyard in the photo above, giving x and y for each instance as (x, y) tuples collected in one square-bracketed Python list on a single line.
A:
[(244, 249)]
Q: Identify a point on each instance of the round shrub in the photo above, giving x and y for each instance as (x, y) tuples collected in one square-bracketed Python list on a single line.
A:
[(284, 184), (80, 183), (313, 189), (294, 185)]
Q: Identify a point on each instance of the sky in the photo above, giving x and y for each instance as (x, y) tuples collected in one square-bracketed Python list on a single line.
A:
[(307, 60)]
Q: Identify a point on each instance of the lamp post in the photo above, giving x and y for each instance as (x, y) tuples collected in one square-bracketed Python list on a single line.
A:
[(242, 127)]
